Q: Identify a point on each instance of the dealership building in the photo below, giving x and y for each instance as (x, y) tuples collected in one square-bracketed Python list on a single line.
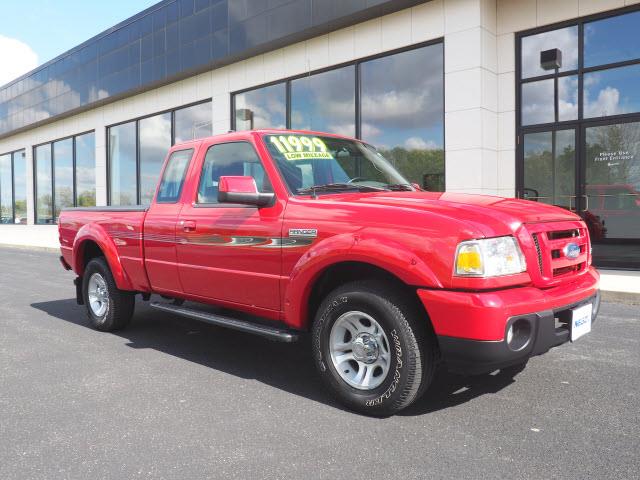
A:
[(536, 99)]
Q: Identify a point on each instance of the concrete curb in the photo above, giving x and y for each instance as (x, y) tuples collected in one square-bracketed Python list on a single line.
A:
[(31, 247), (620, 297)]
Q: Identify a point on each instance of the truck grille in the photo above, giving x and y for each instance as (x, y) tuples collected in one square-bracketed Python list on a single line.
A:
[(560, 250), (538, 251)]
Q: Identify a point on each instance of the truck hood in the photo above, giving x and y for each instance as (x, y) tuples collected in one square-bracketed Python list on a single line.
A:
[(487, 214)]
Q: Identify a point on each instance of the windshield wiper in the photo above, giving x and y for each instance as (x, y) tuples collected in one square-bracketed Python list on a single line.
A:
[(400, 187), (338, 187)]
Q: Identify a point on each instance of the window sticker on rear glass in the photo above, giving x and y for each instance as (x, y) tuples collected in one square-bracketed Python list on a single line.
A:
[(297, 147)]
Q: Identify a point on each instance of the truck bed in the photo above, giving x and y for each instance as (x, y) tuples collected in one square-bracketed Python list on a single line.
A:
[(123, 224)]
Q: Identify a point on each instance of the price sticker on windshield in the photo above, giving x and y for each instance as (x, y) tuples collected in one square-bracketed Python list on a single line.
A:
[(298, 147)]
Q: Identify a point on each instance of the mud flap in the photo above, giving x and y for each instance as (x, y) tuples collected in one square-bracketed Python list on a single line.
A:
[(78, 283)]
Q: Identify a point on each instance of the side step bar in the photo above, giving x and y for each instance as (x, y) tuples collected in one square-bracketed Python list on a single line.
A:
[(272, 333)]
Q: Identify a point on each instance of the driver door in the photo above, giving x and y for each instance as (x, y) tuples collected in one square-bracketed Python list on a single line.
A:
[(231, 253)]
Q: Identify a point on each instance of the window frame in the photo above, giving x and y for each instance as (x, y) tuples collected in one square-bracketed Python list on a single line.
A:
[(53, 174), (136, 121), (197, 204), (358, 86)]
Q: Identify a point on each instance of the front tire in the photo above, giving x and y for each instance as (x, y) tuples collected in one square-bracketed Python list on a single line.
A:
[(108, 308), (373, 348)]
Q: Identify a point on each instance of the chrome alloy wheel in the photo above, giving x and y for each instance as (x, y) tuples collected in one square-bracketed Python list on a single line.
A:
[(98, 295), (360, 350)]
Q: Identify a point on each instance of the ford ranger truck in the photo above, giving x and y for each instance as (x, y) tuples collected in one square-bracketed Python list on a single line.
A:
[(288, 232)]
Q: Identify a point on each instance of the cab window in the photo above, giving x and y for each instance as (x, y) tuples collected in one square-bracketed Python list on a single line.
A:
[(230, 159), (173, 176)]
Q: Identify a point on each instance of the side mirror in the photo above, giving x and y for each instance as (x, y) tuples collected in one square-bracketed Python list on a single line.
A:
[(242, 190)]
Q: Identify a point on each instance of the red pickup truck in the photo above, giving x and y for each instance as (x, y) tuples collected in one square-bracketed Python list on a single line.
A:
[(290, 232)]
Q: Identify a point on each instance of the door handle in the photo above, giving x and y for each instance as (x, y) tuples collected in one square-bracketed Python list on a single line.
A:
[(188, 225)]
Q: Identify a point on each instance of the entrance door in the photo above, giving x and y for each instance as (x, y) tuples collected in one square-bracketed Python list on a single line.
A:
[(549, 167), (610, 199)]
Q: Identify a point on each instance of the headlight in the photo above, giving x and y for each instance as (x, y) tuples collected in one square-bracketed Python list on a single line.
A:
[(489, 257)]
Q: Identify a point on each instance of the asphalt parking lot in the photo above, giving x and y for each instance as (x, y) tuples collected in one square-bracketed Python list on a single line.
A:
[(172, 398)]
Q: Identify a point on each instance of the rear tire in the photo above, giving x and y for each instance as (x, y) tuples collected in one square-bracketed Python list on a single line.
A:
[(373, 347), (108, 308)]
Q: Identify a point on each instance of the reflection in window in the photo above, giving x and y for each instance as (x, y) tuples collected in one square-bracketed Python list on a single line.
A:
[(63, 175), (325, 102), (613, 39), (193, 122), (173, 176), (122, 164), (568, 98), (261, 108), (44, 186), (20, 187), (564, 39), (86, 170), (612, 92), (6, 189), (537, 102), (155, 140), (402, 112), (612, 171), (549, 170)]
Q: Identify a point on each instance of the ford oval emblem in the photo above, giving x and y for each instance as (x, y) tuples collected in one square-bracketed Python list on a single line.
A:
[(572, 250)]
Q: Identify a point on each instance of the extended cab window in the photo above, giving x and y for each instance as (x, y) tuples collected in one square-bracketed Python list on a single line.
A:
[(173, 176), (235, 159)]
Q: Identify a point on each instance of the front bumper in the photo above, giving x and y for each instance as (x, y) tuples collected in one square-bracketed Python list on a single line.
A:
[(471, 326)]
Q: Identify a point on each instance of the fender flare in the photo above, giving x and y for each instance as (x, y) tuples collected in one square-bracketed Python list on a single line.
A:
[(96, 233), (374, 250)]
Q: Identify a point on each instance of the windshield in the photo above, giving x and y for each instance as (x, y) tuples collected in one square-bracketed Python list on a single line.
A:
[(316, 163)]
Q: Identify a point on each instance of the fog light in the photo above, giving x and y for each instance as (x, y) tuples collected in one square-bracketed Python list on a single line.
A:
[(519, 334)]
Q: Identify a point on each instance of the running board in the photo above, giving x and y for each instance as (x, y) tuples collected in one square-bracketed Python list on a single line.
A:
[(234, 323)]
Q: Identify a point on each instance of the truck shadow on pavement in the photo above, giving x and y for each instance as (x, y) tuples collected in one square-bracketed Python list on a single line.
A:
[(288, 367)]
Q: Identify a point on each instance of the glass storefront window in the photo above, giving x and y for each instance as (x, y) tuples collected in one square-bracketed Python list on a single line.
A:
[(537, 102), (564, 39), (612, 92), (63, 175), (193, 122), (402, 105), (44, 185), (138, 149), (122, 164), (264, 107), (6, 189), (613, 39), (568, 98), (20, 187), (154, 135), (325, 102), (549, 167), (599, 98), (612, 171), (86, 170)]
